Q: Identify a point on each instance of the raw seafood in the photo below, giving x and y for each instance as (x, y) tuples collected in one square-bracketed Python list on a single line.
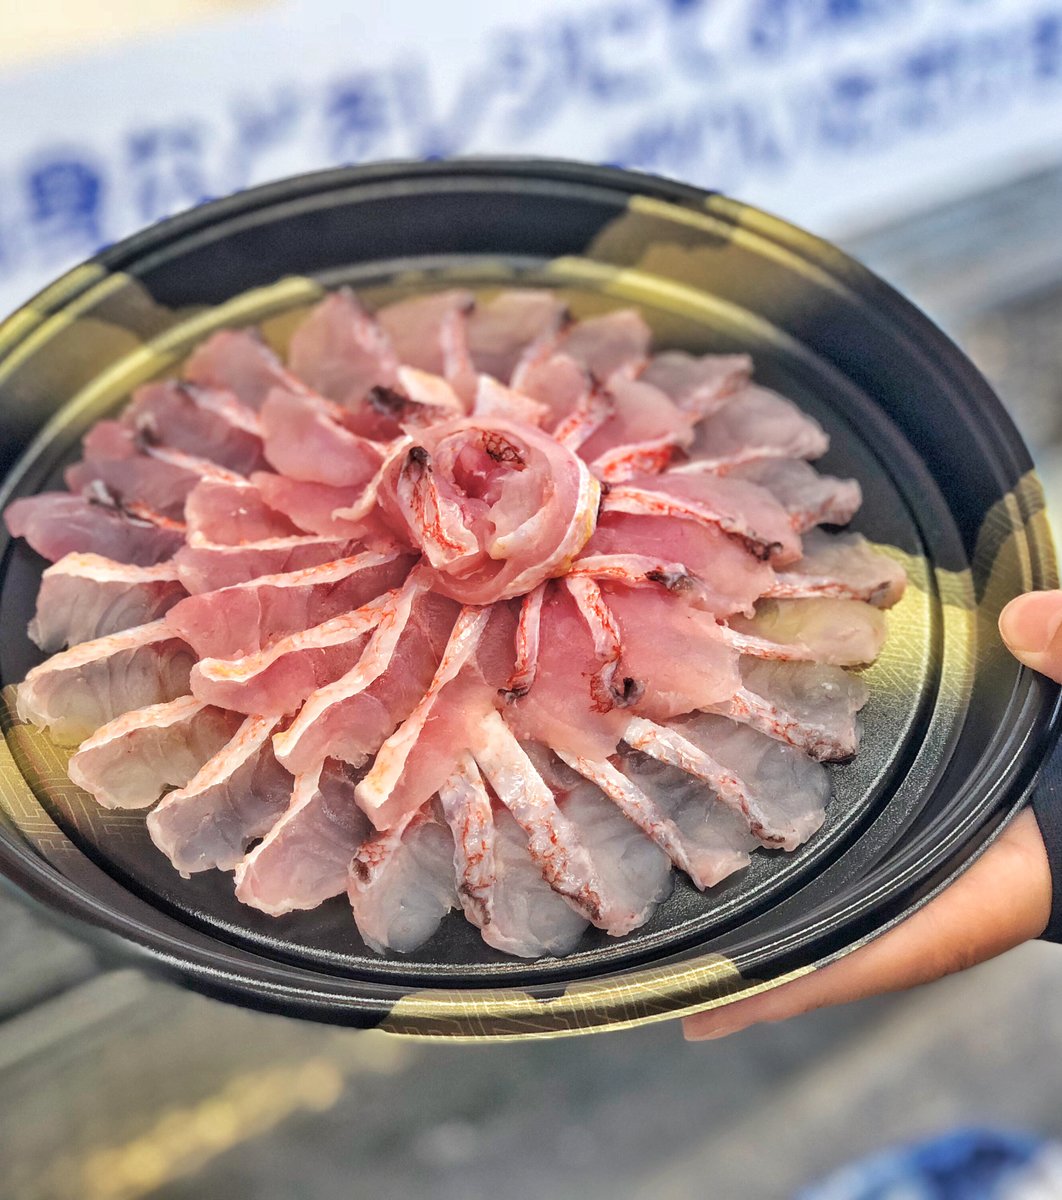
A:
[(466, 605)]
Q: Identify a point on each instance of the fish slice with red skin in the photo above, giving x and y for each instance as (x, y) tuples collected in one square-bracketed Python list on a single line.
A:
[(754, 424), (57, 523), (73, 693), (205, 422), (306, 437), (779, 790), (616, 343), (417, 759), (342, 352), (842, 565), (810, 705), (809, 497), (350, 718), (239, 360), (278, 679), (698, 385), (844, 633), (304, 858), (495, 507), (132, 760), (714, 837), (675, 653), (401, 883), (230, 512), (206, 566), (245, 617), (730, 577), (511, 326), (558, 709), (236, 796), (742, 510), (158, 478), (86, 596)]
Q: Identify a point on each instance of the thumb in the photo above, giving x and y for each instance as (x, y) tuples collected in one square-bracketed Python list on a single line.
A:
[(1031, 626)]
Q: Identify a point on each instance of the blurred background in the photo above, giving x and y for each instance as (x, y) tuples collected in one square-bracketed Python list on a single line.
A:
[(923, 135)]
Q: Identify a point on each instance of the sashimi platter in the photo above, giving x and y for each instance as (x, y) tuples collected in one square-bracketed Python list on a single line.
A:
[(478, 616)]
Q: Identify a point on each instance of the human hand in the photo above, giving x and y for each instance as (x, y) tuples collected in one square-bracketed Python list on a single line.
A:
[(1004, 899)]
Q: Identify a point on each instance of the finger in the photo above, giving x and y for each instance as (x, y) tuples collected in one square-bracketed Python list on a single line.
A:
[(1031, 626), (1004, 899)]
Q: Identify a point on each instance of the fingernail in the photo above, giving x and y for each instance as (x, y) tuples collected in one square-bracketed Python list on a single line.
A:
[(1029, 623)]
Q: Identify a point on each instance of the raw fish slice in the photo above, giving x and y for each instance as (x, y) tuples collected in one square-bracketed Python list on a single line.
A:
[(415, 327), (234, 798), (715, 838), (341, 351), (85, 596), (780, 792), (702, 385), (675, 653), (557, 710), (77, 691), (309, 507), (553, 842), (159, 478), (131, 761), (56, 523), (304, 859), (306, 438), (644, 426), (755, 424), (245, 617), (607, 691), (466, 807), (350, 718), (494, 506), (278, 679), (205, 566), (727, 577), (843, 633), (493, 399), (528, 629), (401, 883), (231, 512), (560, 384), (591, 412), (843, 565), (504, 330), (205, 422), (238, 359), (376, 792), (606, 346), (810, 498), (635, 872), (638, 808), (810, 705), (740, 509), (458, 368), (528, 918)]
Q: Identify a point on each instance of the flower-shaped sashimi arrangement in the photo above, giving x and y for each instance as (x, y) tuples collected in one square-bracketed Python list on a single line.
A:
[(463, 606)]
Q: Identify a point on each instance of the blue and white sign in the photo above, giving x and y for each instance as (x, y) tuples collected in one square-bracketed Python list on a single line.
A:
[(834, 113)]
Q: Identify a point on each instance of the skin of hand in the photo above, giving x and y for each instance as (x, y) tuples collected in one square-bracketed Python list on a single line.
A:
[(1004, 899)]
